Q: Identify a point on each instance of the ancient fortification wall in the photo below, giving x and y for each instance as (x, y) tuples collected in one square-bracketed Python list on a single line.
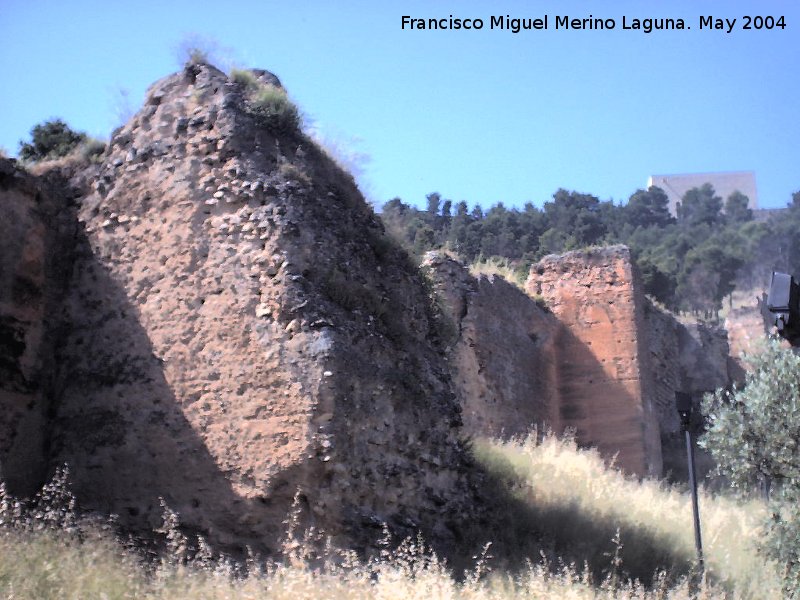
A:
[(37, 228), (238, 331), (600, 354), (686, 357), (601, 359), (214, 316), (689, 357), (501, 353)]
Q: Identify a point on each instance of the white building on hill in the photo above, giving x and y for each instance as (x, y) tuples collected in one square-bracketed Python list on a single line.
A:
[(724, 185)]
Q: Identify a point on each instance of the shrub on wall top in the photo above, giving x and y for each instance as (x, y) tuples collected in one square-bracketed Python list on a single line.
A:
[(273, 110), (268, 103), (51, 139)]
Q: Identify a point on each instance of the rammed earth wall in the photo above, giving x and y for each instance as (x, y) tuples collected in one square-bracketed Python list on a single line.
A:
[(600, 360), (218, 319), (237, 332), (620, 358), (603, 372), (37, 231), (501, 353)]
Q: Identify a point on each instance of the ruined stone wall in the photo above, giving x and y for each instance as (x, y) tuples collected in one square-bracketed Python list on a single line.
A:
[(242, 332), (600, 354), (687, 357), (222, 322), (36, 232), (665, 362), (501, 352), (621, 358), (606, 362), (748, 327)]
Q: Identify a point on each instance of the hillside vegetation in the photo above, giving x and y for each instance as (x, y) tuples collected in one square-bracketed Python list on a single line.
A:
[(690, 263), (582, 506)]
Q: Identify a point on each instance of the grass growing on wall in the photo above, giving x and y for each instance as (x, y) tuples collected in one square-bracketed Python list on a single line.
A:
[(503, 267), (269, 104)]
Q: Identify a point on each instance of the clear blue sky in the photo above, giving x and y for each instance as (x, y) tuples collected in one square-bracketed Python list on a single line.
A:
[(482, 116)]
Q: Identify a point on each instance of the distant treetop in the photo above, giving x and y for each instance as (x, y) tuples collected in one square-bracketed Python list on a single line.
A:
[(51, 139)]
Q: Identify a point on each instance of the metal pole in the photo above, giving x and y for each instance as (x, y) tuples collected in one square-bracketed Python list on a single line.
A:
[(698, 542)]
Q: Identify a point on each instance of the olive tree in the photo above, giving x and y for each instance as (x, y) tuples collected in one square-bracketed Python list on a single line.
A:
[(753, 433)]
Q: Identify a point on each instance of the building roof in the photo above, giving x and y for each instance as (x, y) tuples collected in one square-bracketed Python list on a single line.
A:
[(675, 186)]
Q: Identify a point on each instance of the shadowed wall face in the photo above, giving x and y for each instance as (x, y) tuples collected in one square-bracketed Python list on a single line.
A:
[(688, 357), (36, 230), (501, 352), (600, 354), (235, 329)]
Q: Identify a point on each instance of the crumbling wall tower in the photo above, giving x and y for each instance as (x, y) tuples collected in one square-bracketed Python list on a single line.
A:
[(601, 354)]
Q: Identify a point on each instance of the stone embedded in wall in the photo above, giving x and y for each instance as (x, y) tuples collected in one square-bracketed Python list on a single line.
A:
[(602, 370), (501, 351)]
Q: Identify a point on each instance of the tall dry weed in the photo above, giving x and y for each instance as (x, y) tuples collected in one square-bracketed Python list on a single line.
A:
[(48, 551), (583, 503)]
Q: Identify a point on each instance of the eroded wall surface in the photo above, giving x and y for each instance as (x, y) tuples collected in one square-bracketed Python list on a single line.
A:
[(693, 358), (220, 321), (688, 357), (241, 333), (601, 359), (501, 353), (37, 227)]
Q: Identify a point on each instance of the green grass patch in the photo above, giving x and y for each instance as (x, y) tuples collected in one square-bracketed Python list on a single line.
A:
[(268, 104)]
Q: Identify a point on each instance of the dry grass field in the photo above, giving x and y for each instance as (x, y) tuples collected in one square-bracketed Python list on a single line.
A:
[(590, 510)]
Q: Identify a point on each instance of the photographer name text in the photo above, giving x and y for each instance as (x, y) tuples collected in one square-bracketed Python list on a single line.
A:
[(591, 23)]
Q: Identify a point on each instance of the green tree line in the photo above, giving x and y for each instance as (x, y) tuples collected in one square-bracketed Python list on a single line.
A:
[(689, 262)]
